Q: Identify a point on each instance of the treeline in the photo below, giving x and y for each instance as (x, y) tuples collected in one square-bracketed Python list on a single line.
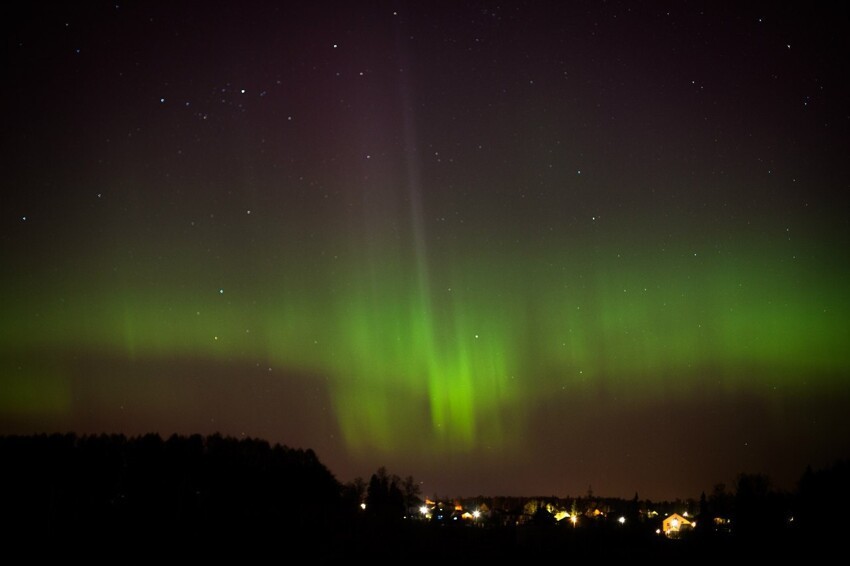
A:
[(193, 487), (204, 493), (816, 509), (198, 495)]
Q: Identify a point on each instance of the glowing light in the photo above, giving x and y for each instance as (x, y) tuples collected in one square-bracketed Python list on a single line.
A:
[(622, 520), (476, 514), (363, 506), (423, 510)]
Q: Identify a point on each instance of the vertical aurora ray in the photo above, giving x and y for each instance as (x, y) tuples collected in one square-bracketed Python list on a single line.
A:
[(406, 365), (434, 370), (420, 339), (445, 384)]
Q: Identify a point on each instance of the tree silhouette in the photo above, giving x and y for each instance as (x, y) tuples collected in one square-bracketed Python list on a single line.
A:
[(384, 498), (705, 521), (542, 517), (756, 509), (411, 491), (633, 514)]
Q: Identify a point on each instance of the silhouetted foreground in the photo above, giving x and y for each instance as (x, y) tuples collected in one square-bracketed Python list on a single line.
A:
[(119, 498)]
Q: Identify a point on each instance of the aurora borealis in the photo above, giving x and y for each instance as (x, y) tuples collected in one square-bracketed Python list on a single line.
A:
[(513, 248)]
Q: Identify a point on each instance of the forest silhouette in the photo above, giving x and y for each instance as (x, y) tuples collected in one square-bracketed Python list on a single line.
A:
[(202, 496)]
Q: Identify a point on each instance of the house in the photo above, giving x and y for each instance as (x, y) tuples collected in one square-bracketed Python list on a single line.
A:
[(674, 524)]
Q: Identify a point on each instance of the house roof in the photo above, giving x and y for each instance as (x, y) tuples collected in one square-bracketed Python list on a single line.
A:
[(682, 520)]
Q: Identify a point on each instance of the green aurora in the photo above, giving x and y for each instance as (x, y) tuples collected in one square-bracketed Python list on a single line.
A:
[(442, 345), (511, 248)]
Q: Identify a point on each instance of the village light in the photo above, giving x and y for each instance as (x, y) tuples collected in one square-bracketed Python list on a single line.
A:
[(476, 514), (423, 510), (363, 506), (674, 523), (574, 520), (622, 520)]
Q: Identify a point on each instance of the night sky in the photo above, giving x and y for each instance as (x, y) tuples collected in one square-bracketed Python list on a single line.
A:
[(513, 248)]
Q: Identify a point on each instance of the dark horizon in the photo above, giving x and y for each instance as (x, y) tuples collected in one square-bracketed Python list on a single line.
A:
[(728, 483), (102, 495), (522, 247)]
